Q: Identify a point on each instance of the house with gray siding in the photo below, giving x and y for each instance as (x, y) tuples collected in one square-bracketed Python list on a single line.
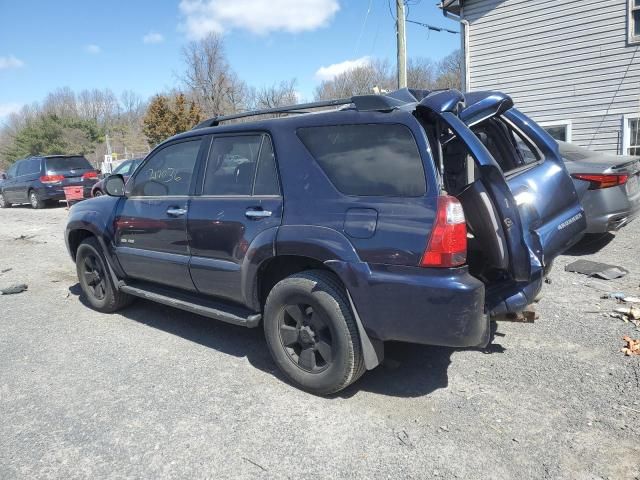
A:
[(571, 65)]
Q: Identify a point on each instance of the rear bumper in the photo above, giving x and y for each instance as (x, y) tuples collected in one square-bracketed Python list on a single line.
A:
[(418, 305), (610, 209), (56, 192)]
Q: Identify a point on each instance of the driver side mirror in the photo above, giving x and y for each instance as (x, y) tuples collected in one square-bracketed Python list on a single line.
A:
[(3, 176), (114, 185)]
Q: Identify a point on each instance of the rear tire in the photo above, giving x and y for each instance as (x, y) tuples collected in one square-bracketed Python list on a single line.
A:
[(98, 193), (3, 202), (95, 280), (35, 200), (311, 332)]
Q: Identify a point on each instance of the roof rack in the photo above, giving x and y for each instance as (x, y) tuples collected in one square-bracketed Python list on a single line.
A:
[(360, 102)]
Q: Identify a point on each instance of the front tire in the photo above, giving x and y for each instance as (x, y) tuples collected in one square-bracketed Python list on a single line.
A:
[(35, 200), (95, 281), (97, 193), (311, 332), (3, 202)]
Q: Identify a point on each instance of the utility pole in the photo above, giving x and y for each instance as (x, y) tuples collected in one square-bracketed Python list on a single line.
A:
[(402, 44)]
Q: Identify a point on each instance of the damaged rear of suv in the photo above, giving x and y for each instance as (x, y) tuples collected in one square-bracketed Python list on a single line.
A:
[(413, 216)]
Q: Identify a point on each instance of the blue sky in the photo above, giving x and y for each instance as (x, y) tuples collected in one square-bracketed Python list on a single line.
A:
[(135, 44)]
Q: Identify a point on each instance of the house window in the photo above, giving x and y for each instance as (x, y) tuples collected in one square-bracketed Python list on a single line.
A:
[(632, 135), (634, 21), (559, 130)]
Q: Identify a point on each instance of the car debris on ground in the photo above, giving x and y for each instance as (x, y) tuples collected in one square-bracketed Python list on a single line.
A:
[(596, 269), (632, 347), (621, 297), (13, 289)]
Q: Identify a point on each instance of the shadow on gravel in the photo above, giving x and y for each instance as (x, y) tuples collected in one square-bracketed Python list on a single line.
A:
[(590, 244), (409, 370)]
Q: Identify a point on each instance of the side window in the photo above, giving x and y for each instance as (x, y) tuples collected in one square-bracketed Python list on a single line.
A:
[(23, 168), (33, 166), (526, 151), (232, 165), (12, 171), (368, 160), (168, 172), (267, 175)]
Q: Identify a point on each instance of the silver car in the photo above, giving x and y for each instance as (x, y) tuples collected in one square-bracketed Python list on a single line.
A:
[(608, 186)]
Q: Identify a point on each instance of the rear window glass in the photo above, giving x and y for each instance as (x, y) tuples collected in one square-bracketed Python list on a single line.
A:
[(368, 160), (67, 163)]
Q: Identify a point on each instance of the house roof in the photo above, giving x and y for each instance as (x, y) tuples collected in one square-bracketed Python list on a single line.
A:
[(451, 6)]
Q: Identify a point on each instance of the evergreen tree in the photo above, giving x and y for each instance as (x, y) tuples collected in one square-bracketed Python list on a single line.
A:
[(158, 121), (164, 120), (51, 134)]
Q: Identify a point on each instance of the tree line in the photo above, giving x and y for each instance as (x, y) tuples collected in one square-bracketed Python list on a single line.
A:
[(66, 122)]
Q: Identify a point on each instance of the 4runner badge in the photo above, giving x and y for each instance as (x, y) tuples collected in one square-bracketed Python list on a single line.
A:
[(573, 219)]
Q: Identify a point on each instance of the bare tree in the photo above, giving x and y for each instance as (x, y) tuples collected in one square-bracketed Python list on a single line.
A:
[(357, 81), (276, 95), (420, 73), (61, 102), (99, 105), (209, 78), (450, 71)]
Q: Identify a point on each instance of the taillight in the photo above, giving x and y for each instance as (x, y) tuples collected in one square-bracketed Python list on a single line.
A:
[(90, 175), (51, 178), (598, 181), (448, 243)]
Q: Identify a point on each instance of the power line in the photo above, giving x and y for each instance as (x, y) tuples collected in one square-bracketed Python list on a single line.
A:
[(432, 27), (364, 24)]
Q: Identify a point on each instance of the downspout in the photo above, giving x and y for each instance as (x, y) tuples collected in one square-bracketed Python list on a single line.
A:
[(464, 46), (464, 32)]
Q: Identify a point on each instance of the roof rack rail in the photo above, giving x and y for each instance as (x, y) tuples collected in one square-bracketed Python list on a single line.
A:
[(294, 109), (361, 103)]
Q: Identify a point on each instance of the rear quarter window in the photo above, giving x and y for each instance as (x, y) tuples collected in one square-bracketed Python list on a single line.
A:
[(368, 160)]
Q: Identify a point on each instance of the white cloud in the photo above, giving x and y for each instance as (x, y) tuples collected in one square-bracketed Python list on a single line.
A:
[(153, 37), (10, 62), (331, 71), (92, 49), (7, 109), (201, 17)]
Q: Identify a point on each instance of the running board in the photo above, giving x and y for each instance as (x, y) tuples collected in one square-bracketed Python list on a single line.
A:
[(190, 303)]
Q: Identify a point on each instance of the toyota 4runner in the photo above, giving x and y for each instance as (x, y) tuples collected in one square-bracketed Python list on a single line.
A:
[(413, 216)]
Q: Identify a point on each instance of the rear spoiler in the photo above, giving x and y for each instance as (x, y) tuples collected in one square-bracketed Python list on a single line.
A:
[(484, 105)]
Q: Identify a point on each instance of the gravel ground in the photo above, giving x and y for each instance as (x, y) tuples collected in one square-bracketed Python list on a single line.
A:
[(158, 393)]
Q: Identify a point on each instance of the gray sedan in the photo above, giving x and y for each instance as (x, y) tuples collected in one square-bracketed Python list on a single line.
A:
[(608, 186)]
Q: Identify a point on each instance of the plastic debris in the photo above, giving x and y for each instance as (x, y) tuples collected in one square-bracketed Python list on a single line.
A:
[(614, 295), (596, 269), (13, 289), (632, 346)]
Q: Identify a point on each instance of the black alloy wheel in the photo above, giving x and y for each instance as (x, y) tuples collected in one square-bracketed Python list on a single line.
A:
[(94, 276), (306, 338)]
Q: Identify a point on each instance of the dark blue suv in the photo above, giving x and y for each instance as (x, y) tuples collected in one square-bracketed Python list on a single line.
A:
[(413, 217), (40, 180)]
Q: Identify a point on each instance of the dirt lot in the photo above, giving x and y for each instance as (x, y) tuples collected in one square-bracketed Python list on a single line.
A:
[(157, 393)]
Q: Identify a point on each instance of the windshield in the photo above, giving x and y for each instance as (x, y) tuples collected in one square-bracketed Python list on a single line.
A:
[(123, 168), (68, 163), (128, 166)]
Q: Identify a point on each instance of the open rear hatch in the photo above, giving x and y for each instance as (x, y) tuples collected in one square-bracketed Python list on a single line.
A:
[(521, 206)]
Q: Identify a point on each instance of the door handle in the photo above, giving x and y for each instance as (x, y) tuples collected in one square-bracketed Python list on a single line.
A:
[(258, 214), (176, 212)]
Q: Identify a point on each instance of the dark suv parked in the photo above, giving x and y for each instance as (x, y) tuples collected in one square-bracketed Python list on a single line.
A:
[(41, 180), (386, 219)]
